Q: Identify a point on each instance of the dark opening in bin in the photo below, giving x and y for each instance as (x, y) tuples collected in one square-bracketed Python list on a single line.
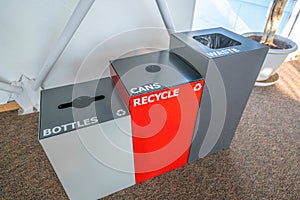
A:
[(216, 41)]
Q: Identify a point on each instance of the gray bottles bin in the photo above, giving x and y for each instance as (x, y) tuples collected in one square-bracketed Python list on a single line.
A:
[(229, 64), (85, 130)]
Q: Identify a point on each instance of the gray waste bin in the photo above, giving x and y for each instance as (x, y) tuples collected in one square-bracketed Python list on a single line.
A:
[(229, 64), (85, 130)]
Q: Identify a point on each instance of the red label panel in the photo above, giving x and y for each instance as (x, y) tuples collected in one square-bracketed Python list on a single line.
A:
[(162, 126)]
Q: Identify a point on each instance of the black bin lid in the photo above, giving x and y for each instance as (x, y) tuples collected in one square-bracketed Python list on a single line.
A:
[(217, 42), (62, 106), (161, 67)]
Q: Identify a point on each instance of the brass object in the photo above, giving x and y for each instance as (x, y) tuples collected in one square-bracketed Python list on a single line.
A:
[(273, 22)]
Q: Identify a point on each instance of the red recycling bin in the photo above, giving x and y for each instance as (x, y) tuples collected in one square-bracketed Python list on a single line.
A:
[(162, 93)]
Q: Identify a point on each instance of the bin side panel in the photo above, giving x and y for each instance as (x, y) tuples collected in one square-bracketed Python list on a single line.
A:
[(120, 86), (241, 74), (79, 160), (238, 73)]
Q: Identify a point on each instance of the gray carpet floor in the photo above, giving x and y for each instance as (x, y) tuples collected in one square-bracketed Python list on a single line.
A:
[(263, 161)]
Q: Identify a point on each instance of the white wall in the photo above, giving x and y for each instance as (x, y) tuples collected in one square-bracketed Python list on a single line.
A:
[(30, 28), (294, 35)]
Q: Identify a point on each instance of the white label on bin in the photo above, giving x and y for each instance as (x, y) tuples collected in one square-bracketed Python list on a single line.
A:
[(70, 126), (145, 88), (121, 112), (223, 52), (155, 97), (197, 87)]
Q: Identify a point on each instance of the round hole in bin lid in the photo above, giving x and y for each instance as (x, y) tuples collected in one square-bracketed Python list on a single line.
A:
[(153, 68)]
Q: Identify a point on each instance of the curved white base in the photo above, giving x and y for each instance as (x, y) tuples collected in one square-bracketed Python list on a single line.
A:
[(268, 83)]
